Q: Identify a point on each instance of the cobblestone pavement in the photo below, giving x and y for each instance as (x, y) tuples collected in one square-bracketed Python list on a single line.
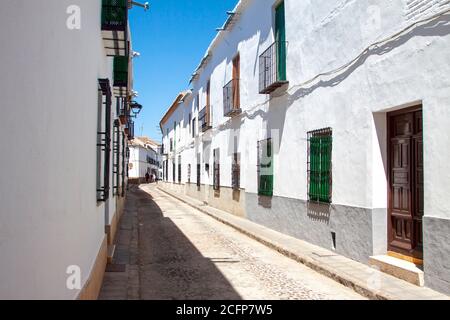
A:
[(173, 251)]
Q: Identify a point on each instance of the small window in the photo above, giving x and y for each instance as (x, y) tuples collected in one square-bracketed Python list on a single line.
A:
[(198, 170), (193, 128), (190, 119), (216, 176), (179, 169), (189, 174), (173, 171), (265, 167), (320, 144), (236, 171)]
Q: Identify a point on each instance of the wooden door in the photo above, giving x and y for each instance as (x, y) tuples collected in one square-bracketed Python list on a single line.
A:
[(405, 183), (236, 78)]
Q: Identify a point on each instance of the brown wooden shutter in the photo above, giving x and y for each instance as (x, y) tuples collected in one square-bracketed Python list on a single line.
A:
[(236, 80)]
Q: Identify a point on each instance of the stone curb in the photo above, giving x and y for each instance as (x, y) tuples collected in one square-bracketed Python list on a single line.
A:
[(325, 269)]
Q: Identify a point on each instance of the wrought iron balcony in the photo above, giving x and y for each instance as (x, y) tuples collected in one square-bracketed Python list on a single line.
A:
[(115, 27), (129, 129), (204, 119), (231, 98), (123, 111), (272, 68)]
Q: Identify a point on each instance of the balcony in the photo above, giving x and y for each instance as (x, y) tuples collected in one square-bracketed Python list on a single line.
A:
[(231, 99), (122, 110), (272, 68), (115, 27), (204, 119), (129, 129), (120, 73)]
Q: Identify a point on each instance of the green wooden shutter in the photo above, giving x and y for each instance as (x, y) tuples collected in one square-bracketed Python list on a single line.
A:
[(120, 71), (114, 13), (280, 37), (320, 168), (266, 169)]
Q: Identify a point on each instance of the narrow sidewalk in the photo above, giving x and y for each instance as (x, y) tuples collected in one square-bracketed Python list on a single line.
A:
[(363, 279)]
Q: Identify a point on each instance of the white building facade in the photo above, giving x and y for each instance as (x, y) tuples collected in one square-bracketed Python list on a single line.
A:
[(65, 102), (327, 121), (144, 158)]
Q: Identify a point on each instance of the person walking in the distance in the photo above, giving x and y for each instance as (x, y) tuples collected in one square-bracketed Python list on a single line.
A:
[(147, 177)]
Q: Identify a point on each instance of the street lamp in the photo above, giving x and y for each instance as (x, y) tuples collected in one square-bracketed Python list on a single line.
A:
[(135, 108)]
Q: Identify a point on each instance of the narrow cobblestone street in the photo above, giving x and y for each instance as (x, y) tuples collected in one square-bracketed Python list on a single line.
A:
[(167, 250)]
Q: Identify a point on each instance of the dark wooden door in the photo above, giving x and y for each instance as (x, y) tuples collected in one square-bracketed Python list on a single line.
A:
[(406, 183)]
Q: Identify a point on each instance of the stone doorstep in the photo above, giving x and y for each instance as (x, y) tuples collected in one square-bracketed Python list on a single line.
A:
[(398, 268)]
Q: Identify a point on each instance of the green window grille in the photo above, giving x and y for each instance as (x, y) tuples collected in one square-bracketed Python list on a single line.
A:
[(265, 166), (320, 143), (120, 71), (114, 14)]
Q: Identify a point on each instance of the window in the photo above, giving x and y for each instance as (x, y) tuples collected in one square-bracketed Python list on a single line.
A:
[(320, 144), (116, 158), (189, 173), (205, 115), (171, 144), (125, 154), (175, 135), (179, 169), (193, 128), (236, 171), (103, 139), (166, 170), (272, 62), (216, 169), (231, 92), (265, 167), (173, 171), (190, 119)]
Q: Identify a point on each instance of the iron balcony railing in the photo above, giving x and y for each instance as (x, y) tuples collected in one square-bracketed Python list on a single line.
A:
[(129, 129), (204, 119), (272, 67), (123, 111), (114, 27), (231, 103)]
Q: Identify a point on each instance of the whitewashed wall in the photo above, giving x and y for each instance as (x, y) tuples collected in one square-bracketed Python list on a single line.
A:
[(49, 216), (323, 36), (138, 159)]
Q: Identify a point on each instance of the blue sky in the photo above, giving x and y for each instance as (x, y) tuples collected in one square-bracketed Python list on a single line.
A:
[(172, 37)]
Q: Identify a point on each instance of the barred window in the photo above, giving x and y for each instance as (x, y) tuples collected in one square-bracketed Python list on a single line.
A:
[(216, 177), (179, 169), (320, 144), (189, 173), (125, 155), (198, 171), (173, 171), (236, 171), (116, 158), (103, 139), (265, 168)]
